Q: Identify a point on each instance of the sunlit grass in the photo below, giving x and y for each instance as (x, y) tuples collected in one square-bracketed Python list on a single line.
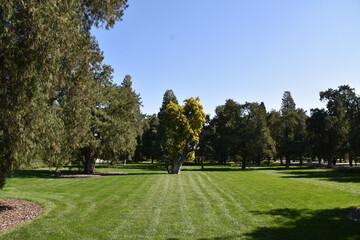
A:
[(218, 203)]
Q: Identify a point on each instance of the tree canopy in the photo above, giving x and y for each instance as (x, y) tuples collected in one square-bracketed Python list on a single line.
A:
[(183, 125), (48, 62)]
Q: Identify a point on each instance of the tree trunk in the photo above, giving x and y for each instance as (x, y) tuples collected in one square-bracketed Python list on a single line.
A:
[(178, 162), (180, 158), (330, 161), (152, 161), (243, 165), (176, 168), (268, 161), (89, 167), (301, 161), (350, 160), (287, 158), (319, 159), (125, 162), (281, 161), (202, 163)]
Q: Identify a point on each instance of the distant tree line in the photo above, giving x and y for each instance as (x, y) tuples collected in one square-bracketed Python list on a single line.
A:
[(249, 134)]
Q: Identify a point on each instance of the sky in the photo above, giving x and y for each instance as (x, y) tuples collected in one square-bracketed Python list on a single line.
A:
[(245, 50)]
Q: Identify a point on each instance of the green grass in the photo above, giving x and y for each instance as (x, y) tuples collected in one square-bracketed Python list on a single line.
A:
[(218, 203)]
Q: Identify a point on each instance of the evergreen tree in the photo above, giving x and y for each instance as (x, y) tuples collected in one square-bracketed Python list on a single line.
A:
[(149, 148), (255, 140), (335, 122), (351, 103), (274, 123), (162, 138), (289, 124), (46, 78), (226, 123), (317, 133), (115, 123), (207, 140)]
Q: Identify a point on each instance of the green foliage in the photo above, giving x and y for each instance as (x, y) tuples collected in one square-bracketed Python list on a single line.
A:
[(317, 132), (274, 123), (47, 65), (292, 138), (331, 124), (183, 125), (115, 123), (207, 141), (226, 123), (161, 138), (148, 147), (244, 132)]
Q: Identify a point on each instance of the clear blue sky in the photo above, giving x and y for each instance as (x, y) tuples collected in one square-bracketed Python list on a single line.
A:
[(246, 50)]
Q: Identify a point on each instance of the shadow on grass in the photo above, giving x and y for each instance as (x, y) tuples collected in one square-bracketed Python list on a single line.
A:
[(49, 174), (210, 169), (32, 174), (134, 174), (336, 175), (144, 166), (214, 238), (238, 168), (308, 224)]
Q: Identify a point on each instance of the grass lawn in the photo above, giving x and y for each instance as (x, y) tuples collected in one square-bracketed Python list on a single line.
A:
[(218, 203)]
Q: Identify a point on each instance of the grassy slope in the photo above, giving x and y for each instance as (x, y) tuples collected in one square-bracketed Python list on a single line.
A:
[(216, 204)]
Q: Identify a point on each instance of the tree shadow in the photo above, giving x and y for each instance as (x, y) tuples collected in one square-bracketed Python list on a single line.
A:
[(32, 174), (146, 173), (144, 166), (236, 168), (308, 224), (50, 174), (211, 169), (221, 238), (212, 238), (336, 175)]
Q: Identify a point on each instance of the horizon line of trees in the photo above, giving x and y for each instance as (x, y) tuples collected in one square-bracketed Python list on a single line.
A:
[(247, 133)]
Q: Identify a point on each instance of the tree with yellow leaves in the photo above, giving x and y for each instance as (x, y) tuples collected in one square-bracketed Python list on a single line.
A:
[(183, 125)]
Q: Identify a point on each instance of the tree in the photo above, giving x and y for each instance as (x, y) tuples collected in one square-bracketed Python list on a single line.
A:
[(243, 132), (148, 146), (317, 133), (335, 122), (351, 103), (115, 124), (300, 138), (255, 139), (37, 61), (46, 77), (207, 140), (183, 125), (162, 138), (226, 121), (274, 123), (287, 141)]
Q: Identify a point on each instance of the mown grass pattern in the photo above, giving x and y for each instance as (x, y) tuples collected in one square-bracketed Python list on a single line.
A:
[(218, 203)]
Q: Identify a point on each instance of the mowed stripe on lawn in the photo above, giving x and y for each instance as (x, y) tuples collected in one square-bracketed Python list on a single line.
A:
[(193, 205)]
